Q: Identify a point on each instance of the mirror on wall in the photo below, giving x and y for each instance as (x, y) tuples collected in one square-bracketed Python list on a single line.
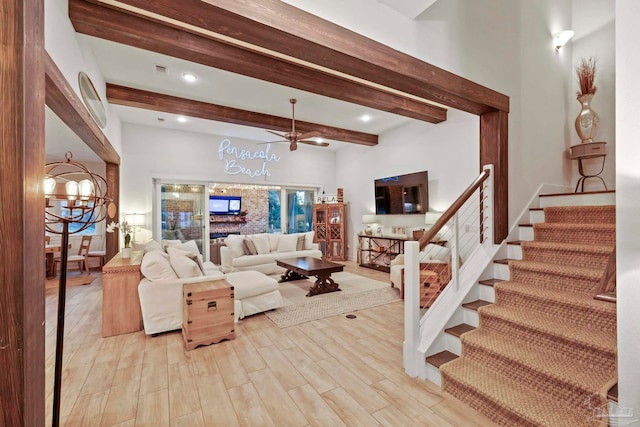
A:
[(92, 100)]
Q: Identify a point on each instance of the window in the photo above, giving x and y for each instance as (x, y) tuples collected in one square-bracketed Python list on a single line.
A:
[(274, 212), (61, 209)]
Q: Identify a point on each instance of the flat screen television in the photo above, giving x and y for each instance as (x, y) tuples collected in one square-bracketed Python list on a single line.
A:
[(402, 194), (225, 205)]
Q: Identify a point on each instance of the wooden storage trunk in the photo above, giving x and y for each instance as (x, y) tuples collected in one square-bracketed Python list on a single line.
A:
[(207, 313)]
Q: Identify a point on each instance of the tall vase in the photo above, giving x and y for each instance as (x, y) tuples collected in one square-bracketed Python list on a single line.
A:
[(588, 120), (126, 252)]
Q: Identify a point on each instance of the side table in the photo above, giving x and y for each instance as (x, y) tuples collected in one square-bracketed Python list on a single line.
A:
[(589, 150), (121, 311)]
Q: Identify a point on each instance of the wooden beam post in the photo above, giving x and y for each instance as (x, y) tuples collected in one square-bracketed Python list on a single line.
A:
[(113, 182), (494, 139), (22, 386)]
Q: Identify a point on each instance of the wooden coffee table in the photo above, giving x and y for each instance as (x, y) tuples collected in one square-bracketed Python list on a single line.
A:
[(301, 267)]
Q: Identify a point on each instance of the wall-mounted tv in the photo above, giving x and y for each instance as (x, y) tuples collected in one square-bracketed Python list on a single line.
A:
[(402, 194), (224, 205)]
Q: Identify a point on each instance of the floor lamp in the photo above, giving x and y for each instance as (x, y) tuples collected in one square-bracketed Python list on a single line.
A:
[(85, 203)]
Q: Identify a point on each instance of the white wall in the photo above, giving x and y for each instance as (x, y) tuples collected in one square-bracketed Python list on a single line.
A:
[(71, 57), (506, 46), (628, 203), (189, 157), (382, 23), (595, 37)]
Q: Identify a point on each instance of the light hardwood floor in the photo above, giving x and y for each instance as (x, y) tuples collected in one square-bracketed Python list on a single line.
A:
[(330, 372)]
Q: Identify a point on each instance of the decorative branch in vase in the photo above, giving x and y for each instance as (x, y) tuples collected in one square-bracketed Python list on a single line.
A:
[(588, 120)]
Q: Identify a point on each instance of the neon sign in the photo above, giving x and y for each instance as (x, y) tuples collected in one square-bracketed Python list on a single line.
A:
[(232, 157)]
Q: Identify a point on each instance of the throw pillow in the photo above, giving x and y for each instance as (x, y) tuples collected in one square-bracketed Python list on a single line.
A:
[(261, 241), (152, 245), (234, 243), (167, 243), (249, 247), (183, 265), (155, 266), (190, 247), (300, 244), (288, 243), (308, 239)]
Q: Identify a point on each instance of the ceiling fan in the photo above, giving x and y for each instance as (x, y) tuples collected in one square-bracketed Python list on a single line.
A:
[(294, 137)]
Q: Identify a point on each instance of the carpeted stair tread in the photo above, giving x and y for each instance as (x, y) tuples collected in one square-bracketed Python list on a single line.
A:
[(579, 279), (579, 308), (546, 371), (594, 347), (595, 256), (505, 400), (596, 214), (589, 234)]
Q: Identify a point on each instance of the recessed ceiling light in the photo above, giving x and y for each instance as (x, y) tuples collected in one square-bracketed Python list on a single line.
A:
[(365, 118), (160, 119), (319, 139), (189, 77), (182, 119)]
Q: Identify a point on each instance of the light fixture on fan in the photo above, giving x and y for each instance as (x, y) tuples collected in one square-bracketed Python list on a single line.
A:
[(294, 137)]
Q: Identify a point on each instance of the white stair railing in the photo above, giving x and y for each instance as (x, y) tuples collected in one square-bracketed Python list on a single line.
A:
[(435, 273)]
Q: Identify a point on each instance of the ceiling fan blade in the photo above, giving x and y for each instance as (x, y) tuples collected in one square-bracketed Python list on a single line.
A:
[(317, 144), (277, 134), (273, 142), (308, 135)]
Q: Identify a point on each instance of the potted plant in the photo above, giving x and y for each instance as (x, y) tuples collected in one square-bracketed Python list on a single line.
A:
[(588, 120), (126, 230)]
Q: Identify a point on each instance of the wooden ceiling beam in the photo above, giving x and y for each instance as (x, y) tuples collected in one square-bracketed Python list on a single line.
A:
[(139, 98), (287, 30), (67, 105), (126, 28)]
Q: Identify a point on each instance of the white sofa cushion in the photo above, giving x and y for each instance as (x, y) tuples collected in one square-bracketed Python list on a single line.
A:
[(183, 265), (261, 242), (274, 239), (152, 245), (287, 243), (436, 252), (156, 266), (249, 283)]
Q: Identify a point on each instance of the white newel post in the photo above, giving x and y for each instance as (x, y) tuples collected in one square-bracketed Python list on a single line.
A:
[(411, 357)]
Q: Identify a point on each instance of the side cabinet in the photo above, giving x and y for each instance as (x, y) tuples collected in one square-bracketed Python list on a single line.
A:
[(330, 225), (207, 313)]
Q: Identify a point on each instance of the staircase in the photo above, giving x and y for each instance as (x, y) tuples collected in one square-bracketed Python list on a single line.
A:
[(544, 353)]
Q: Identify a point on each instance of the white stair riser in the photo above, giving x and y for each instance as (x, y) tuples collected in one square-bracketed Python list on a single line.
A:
[(514, 251), (578, 199), (525, 233), (536, 217), (433, 374), (487, 293), (471, 317), (501, 271), (454, 345)]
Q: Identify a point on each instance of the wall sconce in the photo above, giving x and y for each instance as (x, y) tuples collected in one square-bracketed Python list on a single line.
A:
[(561, 38)]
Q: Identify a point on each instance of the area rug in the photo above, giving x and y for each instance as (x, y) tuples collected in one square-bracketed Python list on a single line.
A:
[(357, 293)]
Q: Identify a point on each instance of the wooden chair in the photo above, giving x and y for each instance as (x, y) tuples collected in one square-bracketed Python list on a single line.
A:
[(102, 255), (83, 255)]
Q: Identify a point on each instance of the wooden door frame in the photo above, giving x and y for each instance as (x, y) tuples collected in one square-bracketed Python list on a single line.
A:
[(22, 388)]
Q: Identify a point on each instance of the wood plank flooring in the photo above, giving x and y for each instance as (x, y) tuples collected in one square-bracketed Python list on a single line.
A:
[(330, 372)]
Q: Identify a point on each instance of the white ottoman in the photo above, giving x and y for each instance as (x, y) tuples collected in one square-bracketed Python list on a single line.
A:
[(253, 293)]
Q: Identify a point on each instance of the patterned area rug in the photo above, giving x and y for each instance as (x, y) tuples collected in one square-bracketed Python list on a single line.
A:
[(357, 293)]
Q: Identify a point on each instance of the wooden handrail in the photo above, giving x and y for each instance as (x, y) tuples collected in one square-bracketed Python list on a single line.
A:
[(606, 290), (449, 213)]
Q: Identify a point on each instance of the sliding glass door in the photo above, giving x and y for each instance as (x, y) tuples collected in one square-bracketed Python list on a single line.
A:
[(183, 213), (299, 213)]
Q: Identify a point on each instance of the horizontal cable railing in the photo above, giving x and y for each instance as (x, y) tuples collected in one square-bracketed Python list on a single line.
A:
[(443, 250)]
